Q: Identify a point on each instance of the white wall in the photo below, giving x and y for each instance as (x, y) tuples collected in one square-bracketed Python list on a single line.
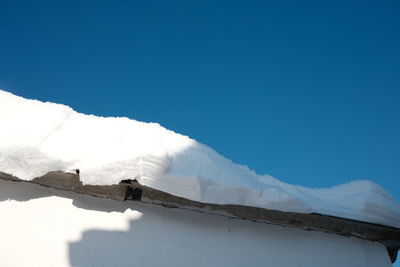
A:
[(46, 227)]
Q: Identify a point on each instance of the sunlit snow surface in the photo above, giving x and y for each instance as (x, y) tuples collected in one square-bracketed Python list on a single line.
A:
[(37, 137)]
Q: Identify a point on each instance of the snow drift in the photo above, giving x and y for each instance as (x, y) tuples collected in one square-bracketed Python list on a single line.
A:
[(37, 137)]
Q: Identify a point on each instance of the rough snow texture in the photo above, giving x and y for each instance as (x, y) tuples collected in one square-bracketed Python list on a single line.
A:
[(37, 137), (68, 229)]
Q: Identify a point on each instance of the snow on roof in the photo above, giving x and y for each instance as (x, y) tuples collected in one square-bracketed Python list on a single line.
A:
[(38, 137)]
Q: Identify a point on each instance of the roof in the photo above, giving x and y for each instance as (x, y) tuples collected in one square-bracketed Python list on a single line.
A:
[(38, 137)]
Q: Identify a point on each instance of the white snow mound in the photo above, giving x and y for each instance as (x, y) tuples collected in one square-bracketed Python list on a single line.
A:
[(38, 137)]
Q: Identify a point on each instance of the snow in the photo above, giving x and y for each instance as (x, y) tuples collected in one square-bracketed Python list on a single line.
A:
[(45, 227), (38, 137)]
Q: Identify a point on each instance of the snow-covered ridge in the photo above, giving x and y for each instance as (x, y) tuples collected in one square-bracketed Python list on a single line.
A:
[(37, 137)]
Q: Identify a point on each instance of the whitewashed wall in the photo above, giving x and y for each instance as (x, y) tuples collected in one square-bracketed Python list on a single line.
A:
[(46, 227)]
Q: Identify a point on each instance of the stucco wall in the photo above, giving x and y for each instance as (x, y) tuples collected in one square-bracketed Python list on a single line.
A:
[(48, 227)]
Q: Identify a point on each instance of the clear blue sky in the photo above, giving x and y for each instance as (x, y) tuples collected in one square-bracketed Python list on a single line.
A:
[(307, 91)]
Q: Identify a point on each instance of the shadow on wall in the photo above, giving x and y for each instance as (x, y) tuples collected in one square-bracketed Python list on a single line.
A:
[(160, 237), (168, 237), (176, 237)]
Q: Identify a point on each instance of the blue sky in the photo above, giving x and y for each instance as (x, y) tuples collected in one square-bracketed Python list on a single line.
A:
[(308, 91)]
